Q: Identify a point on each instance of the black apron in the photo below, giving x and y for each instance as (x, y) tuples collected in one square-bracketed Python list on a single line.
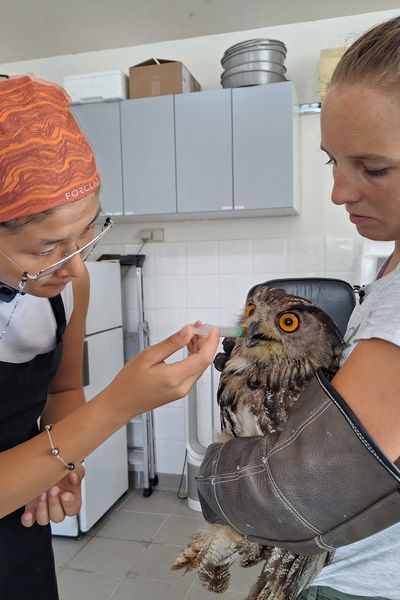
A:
[(27, 569)]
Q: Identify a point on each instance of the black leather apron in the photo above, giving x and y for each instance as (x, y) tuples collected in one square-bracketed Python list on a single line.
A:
[(26, 556)]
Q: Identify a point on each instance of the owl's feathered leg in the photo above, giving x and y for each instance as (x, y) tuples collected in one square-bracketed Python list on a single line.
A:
[(191, 556), (285, 575), (221, 553), (213, 551), (251, 554)]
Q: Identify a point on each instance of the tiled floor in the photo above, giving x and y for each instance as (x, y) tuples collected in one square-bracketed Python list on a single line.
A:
[(127, 555)]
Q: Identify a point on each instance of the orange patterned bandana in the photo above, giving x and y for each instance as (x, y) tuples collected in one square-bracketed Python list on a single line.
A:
[(45, 160)]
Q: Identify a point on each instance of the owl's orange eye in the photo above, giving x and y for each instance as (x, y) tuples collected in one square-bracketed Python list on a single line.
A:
[(250, 308), (288, 322)]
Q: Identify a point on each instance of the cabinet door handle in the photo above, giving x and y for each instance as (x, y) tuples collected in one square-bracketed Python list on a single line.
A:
[(85, 365)]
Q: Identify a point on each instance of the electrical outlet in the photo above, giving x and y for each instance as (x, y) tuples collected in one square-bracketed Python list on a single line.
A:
[(157, 235), (153, 235), (144, 235)]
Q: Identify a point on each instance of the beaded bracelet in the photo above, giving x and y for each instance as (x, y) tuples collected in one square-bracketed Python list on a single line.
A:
[(56, 452)]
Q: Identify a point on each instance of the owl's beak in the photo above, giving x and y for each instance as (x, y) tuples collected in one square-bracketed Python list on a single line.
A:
[(257, 333), (254, 335)]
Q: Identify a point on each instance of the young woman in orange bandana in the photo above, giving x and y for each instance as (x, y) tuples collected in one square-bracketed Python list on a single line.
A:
[(49, 204)]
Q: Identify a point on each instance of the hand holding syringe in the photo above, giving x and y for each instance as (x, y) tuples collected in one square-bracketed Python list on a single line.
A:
[(224, 331)]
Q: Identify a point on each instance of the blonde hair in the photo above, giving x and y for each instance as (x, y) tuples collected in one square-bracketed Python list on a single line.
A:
[(373, 59)]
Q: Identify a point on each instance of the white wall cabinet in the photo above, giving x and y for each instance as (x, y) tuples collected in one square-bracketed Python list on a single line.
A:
[(263, 147), (101, 123), (207, 154), (148, 156), (203, 125)]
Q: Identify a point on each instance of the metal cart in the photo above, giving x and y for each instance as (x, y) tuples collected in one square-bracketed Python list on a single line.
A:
[(141, 457)]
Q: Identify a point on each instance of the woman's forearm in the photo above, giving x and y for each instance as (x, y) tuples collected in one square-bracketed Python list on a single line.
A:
[(29, 468), (61, 404), (143, 384)]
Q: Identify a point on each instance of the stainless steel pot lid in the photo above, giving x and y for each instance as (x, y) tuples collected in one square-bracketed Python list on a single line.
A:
[(250, 55), (251, 78), (256, 42), (256, 66)]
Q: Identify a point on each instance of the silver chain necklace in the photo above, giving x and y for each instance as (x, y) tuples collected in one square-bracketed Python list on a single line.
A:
[(21, 286)]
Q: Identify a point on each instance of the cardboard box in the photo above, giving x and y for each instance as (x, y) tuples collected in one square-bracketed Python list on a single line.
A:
[(158, 76), (329, 58)]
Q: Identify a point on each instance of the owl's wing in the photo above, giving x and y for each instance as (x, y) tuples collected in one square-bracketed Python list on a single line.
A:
[(233, 397), (248, 407), (285, 574)]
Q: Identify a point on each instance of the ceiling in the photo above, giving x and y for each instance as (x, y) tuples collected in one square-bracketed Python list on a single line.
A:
[(41, 28)]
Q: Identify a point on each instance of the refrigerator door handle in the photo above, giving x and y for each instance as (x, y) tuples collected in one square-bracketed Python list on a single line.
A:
[(85, 365)]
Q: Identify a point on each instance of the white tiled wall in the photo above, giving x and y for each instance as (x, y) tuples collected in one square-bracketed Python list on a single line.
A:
[(209, 280)]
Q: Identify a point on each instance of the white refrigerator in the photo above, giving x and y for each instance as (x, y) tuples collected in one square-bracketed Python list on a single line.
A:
[(106, 478)]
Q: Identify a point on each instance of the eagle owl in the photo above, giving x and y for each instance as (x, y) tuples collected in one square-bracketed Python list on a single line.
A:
[(288, 338)]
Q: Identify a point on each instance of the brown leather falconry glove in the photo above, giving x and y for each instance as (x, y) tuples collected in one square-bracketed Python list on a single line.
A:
[(319, 484)]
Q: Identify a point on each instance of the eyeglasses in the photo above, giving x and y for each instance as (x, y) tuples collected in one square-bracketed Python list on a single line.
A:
[(83, 252)]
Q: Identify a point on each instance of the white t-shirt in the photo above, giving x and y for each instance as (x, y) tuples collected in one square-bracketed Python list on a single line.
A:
[(32, 326), (371, 567)]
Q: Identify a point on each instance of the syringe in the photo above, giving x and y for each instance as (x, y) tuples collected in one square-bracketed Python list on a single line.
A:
[(224, 331)]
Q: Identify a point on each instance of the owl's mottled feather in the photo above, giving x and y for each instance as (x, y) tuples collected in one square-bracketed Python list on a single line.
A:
[(288, 339)]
